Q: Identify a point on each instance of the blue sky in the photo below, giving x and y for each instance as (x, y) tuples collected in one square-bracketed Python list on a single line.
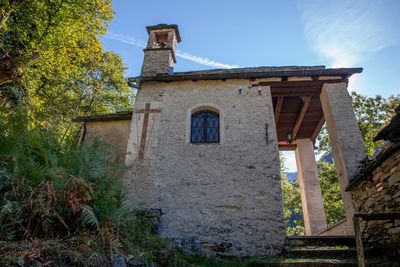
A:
[(223, 34)]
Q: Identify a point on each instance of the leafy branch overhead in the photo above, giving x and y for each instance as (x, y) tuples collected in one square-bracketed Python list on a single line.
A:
[(53, 59)]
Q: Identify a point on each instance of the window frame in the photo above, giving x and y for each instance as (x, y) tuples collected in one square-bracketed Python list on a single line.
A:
[(205, 127)]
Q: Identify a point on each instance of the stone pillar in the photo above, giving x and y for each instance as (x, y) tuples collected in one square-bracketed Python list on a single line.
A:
[(311, 196), (345, 137)]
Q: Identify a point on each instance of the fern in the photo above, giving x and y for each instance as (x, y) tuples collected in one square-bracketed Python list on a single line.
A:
[(6, 210), (48, 191), (5, 180), (89, 218)]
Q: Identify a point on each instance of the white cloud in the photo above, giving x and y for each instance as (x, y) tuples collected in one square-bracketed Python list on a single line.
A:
[(204, 61), (125, 39), (290, 161), (185, 55), (355, 84), (345, 32)]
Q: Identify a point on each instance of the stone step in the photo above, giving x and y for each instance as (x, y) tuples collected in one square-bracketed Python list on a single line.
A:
[(298, 262), (301, 262), (321, 241), (322, 252)]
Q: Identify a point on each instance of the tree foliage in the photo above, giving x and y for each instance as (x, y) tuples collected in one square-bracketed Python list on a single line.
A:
[(333, 203), (292, 209), (53, 59)]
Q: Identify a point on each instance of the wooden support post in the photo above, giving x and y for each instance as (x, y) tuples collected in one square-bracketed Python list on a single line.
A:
[(311, 195)]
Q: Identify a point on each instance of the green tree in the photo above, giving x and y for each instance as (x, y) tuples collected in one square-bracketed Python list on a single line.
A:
[(292, 209), (333, 203), (53, 59)]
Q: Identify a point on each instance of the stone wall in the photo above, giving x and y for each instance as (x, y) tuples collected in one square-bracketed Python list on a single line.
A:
[(114, 133), (377, 190), (158, 61), (216, 199)]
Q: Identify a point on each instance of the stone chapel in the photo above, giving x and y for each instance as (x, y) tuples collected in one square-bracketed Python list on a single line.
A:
[(202, 147)]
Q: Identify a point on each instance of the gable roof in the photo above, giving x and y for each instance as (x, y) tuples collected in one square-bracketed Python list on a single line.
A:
[(252, 73)]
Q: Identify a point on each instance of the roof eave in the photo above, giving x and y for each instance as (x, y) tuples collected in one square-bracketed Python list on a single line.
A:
[(105, 117), (344, 72)]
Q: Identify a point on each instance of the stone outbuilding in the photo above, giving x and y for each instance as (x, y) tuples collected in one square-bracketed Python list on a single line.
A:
[(204, 146), (375, 192), (113, 129)]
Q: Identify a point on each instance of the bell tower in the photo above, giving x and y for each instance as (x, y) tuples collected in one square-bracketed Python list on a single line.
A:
[(159, 55)]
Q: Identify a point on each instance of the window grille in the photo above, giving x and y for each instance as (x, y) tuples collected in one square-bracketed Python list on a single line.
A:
[(205, 127)]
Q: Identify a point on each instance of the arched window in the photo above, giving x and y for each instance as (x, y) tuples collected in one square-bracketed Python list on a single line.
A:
[(205, 127)]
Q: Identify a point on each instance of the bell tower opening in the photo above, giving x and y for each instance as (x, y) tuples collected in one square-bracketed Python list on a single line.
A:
[(160, 52)]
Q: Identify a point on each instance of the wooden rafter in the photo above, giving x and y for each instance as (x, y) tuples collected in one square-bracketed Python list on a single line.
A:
[(278, 108), (300, 118), (318, 128)]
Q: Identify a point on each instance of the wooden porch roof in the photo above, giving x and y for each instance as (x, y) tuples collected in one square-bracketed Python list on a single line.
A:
[(298, 110)]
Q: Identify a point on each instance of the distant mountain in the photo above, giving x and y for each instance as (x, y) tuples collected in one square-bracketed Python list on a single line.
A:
[(291, 176), (327, 157)]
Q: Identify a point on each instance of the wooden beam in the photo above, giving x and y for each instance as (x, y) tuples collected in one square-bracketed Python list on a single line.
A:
[(285, 142), (313, 83), (296, 87), (300, 118), (318, 128), (287, 147), (293, 92), (303, 88), (278, 108)]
